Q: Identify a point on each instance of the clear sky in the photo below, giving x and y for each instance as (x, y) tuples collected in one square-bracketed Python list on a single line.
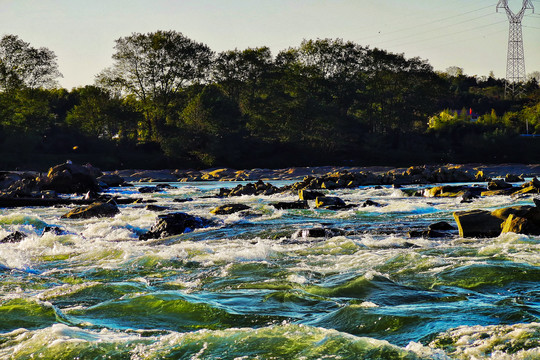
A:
[(464, 33)]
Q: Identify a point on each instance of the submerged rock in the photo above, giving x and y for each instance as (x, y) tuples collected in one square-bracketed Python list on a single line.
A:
[(97, 209), (285, 205), (175, 224)]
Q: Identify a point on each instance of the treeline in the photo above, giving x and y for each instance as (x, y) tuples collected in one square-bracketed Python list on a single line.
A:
[(168, 101)]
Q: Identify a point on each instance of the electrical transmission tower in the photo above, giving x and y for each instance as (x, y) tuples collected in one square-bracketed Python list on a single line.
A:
[(515, 63)]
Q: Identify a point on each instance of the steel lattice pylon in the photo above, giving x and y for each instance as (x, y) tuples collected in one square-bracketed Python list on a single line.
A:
[(515, 63)]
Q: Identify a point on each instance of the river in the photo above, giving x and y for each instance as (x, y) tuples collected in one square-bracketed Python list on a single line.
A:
[(254, 287)]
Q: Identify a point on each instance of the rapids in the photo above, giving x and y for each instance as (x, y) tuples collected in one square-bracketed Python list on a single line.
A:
[(253, 287)]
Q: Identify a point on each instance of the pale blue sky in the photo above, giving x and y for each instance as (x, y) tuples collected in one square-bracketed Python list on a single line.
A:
[(464, 33)]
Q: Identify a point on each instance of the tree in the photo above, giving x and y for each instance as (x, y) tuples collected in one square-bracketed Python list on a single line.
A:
[(24, 66), (101, 115), (154, 68)]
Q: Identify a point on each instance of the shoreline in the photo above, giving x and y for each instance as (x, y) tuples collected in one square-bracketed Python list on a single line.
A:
[(298, 173)]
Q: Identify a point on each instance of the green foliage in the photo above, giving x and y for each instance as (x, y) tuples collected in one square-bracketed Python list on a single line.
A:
[(169, 101), (100, 115), (24, 66), (153, 68)]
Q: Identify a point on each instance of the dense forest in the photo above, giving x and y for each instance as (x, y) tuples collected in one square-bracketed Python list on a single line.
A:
[(171, 102)]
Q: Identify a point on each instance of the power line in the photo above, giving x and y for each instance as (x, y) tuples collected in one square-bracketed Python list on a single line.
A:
[(438, 28), (426, 24), (454, 33)]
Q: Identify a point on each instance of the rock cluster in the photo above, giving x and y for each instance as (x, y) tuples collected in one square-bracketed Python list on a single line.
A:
[(175, 224), (258, 188), (522, 219)]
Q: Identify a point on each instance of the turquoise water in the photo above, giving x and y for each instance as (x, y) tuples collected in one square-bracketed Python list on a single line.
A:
[(252, 287)]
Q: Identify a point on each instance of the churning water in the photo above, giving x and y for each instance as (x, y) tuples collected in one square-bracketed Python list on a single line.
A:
[(253, 287)]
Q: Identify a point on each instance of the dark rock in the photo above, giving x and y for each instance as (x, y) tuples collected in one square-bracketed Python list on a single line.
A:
[(71, 178), (319, 233), (371, 203), (229, 209), (155, 208), (504, 213), (309, 194), (174, 224), (498, 184), (527, 224), (258, 188), (301, 204), (441, 226), (111, 180), (477, 223), (53, 229), (183, 200), (15, 237), (536, 202), (329, 201), (513, 178), (149, 189), (97, 209)]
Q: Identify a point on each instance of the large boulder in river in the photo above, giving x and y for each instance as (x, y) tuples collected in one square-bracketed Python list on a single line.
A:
[(97, 209), (477, 223), (71, 178), (330, 202), (521, 220), (175, 224)]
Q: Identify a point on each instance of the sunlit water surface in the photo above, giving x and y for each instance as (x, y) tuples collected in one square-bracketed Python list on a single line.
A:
[(248, 288)]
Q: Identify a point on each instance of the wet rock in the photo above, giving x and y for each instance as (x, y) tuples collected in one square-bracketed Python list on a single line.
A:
[(477, 223), (183, 200), (329, 202), (371, 203), (445, 191), (71, 178), (284, 205), (504, 213), (441, 226), (520, 225), (15, 237), (111, 180), (309, 194), (498, 184), (153, 176), (97, 209), (149, 189), (229, 209), (54, 230), (509, 178), (156, 208), (319, 232), (258, 188), (532, 189), (175, 224)]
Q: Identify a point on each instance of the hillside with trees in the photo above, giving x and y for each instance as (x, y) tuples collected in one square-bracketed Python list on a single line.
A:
[(168, 101)]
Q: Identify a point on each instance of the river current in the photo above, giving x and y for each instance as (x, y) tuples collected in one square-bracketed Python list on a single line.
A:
[(254, 287)]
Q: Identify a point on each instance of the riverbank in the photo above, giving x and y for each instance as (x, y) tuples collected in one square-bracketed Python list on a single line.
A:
[(297, 173)]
